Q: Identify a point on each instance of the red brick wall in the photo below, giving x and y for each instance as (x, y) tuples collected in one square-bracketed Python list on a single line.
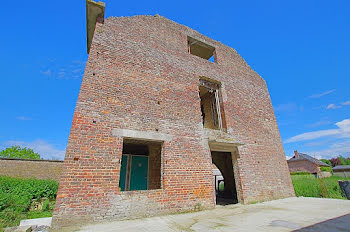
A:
[(139, 76), (39, 169), (302, 166)]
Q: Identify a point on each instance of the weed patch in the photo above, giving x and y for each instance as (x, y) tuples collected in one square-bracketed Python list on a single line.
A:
[(309, 186), (19, 199)]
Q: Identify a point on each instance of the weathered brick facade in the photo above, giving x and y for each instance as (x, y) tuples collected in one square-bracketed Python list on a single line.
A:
[(140, 77)]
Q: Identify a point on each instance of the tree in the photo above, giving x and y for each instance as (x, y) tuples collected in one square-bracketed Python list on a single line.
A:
[(18, 152), (347, 161), (335, 161), (342, 160), (327, 162)]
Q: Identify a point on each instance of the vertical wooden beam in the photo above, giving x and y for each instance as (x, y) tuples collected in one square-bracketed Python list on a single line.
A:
[(218, 111)]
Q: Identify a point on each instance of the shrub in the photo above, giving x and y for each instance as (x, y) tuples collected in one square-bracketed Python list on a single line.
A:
[(16, 195), (326, 169), (300, 173)]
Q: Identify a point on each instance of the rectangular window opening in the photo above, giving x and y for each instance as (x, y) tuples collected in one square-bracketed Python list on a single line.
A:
[(200, 49), (140, 165), (209, 93)]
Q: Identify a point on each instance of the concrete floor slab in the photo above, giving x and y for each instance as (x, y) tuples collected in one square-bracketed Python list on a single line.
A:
[(291, 214)]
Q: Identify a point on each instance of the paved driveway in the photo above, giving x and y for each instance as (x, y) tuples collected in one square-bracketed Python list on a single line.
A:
[(291, 214)]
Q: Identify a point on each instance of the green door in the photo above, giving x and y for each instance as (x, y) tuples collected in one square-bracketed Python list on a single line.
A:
[(123, 169), (139, 172)]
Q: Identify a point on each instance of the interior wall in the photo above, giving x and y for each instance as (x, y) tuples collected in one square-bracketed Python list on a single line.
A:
[(154, 166)]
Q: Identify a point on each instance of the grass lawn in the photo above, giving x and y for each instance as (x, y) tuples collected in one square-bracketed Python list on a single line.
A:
[(309, 186)]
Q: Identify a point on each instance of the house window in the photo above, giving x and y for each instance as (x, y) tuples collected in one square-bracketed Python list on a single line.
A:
[(140, 166), (200, 49), (209, 93)]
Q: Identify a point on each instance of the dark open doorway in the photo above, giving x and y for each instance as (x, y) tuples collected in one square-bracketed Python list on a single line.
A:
[(226, 192)]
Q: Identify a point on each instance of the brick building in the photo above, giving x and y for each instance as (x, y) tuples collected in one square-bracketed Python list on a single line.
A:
[(159, 104), (304, 163)]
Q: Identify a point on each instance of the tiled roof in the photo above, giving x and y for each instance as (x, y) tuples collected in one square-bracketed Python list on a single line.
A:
[(309, 158), (341, 167)]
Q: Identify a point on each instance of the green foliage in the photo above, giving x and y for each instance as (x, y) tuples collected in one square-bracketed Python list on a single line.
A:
[(309, 186), (326, 169), (327, 162), (347, 161), (16, 195), (342, 160), (221, 186), (18, 152), (301, 173)]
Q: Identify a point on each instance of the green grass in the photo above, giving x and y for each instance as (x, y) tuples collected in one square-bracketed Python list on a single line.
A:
[(17, 196), (309, 186)]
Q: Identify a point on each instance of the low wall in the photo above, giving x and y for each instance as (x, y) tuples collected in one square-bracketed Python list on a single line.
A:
[(324, 174), (345, 174), (39, 169)]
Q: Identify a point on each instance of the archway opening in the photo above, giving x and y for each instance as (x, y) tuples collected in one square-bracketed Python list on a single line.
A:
[(225, 186)]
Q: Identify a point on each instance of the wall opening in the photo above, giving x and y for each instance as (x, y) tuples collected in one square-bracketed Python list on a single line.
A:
[(140, 165), (226, 192), (200, 49), (211, 107)]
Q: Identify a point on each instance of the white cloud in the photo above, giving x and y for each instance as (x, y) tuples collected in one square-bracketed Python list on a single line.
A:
[(347, 103), (287, 107), (342, 131), (318, 95), (43, 148), (61, 74), (47, 72), (78, 70), (334, 150), (332, 107), (319, 123), (23, 118)]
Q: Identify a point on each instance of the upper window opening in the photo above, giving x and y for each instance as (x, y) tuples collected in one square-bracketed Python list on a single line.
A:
[(198, 48), (210, 104)]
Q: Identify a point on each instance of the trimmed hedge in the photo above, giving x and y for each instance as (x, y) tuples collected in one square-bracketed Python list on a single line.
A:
[(17, 194), (300, 173)]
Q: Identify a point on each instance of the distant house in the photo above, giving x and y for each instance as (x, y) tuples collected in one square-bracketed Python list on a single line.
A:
[(342, 170), (304, 163)]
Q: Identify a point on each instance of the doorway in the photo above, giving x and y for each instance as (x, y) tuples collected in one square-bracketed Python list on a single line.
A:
[(226, 192)]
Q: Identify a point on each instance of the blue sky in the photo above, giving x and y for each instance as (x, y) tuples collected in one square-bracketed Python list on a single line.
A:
[(301, 49)]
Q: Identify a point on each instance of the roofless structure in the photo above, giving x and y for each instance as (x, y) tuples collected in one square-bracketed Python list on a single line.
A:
[(159, 104)]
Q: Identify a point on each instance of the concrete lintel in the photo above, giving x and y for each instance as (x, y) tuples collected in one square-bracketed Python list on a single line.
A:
[(223, 145), (144, 135), (94, 10)]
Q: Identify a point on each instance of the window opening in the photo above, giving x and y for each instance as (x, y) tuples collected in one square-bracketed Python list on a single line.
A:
[(210, 104), (200, 49), (140, 165)]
